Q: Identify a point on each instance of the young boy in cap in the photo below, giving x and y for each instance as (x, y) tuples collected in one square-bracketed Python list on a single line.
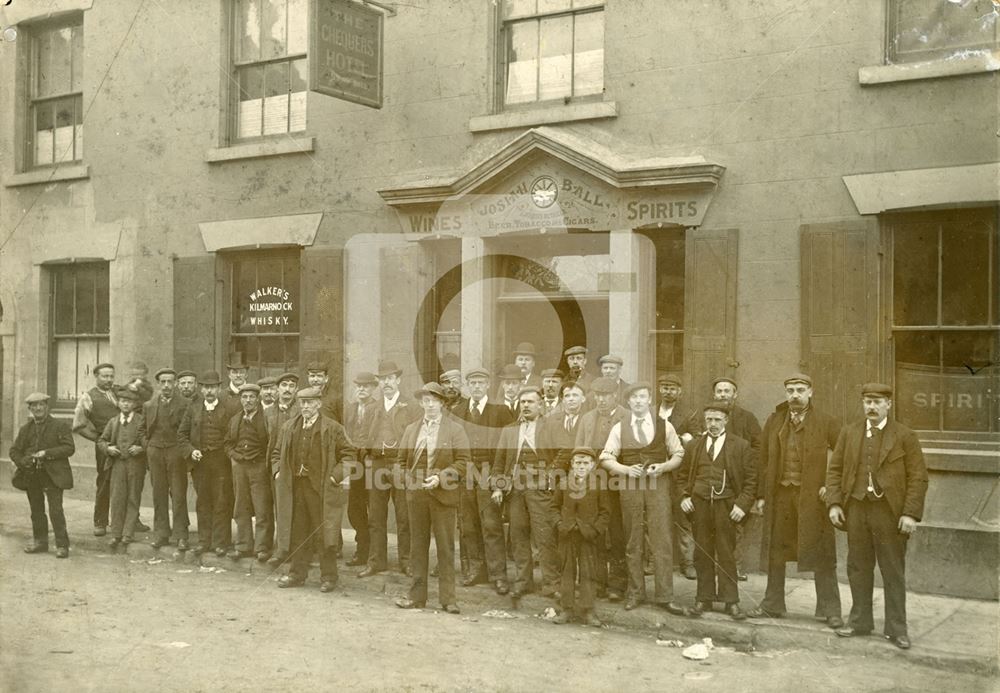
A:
[(123, 442), (584, 512)]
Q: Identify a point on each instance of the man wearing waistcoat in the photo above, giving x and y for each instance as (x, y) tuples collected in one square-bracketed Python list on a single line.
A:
[(246, 446), (167, 470), (875, 487), (641, 451), (94, 409)]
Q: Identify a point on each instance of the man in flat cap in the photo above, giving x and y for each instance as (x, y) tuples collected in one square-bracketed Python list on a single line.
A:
[(451, 381), (796, 445), (482, 520), (393, 413), (435, 456), (358, 422), (164, 414), (202, 437), (268, 391), (314, 460), (41, 453), (285, 409), (237, 371), (552, 381), (510, 385), (576, 362), (123, 442), (318, 375), (611, 368), (187, 385), (875, 488), (671, 389), (94, 409), (246, 445), (641, 451), (595, 425), (718, 495)]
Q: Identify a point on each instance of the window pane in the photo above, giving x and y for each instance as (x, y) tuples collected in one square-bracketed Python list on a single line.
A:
[(244, 283), (86, 285), (291, 284), (274, 40), (299, 87), (77, 49), (276, 98), (553, 5), (63, 304), (915, 275), (248, 41), (251, 103), (965, 267), (924, 29), (298, 32), (556, 58), (519, 8), (669, 249), (588, 40), (669, 354), (522, 62), (44, 134), (66, 369), (54, 73), (65, 129), (968, 383), (918, 382), (102, 307)]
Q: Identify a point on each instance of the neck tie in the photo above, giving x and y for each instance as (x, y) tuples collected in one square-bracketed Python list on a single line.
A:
[(711, 446), (640, 435)]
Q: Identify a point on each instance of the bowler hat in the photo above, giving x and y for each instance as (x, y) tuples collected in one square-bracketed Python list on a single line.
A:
[(164, 371), (611, 358), (431, 388), (799, 378), (573, 350), (511, 372), (310, 393), (526, 348), (210, 378), (876, 390), (388, 368), (365, 378), (36, 397)]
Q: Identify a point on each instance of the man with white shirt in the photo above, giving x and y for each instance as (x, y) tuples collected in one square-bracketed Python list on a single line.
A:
[(641, 451), (875, 487), (510, 385), (94, 409), (720, 490), (246, 444), (552, 381), (237, 371), (521, 467)]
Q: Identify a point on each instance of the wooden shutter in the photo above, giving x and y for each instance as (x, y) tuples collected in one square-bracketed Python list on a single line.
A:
[(195, 306), (839, 312), (322, 317), (709, 306)]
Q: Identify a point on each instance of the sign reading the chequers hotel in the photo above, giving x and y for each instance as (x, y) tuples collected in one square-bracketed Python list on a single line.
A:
[(345, 51)]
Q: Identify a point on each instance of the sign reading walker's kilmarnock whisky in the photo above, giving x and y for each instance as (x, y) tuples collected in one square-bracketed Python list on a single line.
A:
[(345, 51)]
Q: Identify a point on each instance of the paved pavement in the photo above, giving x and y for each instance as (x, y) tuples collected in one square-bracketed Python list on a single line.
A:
[(948, 633)]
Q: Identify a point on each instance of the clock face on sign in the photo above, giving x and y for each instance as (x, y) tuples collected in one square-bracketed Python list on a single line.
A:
[(544, 191)]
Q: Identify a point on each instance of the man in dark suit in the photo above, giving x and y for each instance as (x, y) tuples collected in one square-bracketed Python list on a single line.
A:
[(451, 381), (576, 363), (435, 455), (611, 368), (237, 371), (167, 471), (358, 423), (315, 461), (875, 486), (795, 446), (560, 428), (482, 522), (247, 443), (671, 411), (510, 385), (318, 375), (94, 409), (41, 453), (719, 492), (285, 409)]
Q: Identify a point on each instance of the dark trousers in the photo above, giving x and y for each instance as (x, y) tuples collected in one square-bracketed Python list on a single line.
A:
[(873, 536), (683, 537), (715, 540), (40, 487), (428, 515), (494, 546), (532, 522), (387, 484), (784, 543), (471, 532), (579, 566), (213, 476), (102, 494), (127, 477), (648, 508), (307, 532), (611, 568), (254, 505), (357, 515), (168, 476)]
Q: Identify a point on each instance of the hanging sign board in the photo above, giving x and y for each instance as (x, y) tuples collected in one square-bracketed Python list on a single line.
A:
[(345, 51)]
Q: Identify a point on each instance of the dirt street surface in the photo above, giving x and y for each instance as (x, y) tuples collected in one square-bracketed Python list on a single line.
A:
[(106, 623)]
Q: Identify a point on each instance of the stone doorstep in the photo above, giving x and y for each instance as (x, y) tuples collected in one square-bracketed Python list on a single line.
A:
[(758, 635)]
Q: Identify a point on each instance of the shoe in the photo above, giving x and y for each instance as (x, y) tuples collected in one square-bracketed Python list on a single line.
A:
[(834, 622), (114, 543), (700, 608), (356, 561), (141, 527), (100, 531), (742, 577), (451, 608), (182, 544), (327, 586), (690, 573), (900, 641), (220, 551), (407, 603), (277, 559), (675, 609), (761, 612), (62, 552), (289, 581), (236, 554), (36, 548), (561, 618), (851, 632), (501, 587), (158, 543), (368, 572), (631, 603), (476, 579), (736, 612), (614, 595), (591, 620), (263, 556)]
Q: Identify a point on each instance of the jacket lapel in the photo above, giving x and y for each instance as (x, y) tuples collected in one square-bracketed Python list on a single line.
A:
[(888, 442)]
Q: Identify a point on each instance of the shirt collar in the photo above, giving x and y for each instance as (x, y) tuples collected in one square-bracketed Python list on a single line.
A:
[(126, 418), (308, 423), (250, 415), (480, 407), (210, 406), (881, 426), (390, 402)]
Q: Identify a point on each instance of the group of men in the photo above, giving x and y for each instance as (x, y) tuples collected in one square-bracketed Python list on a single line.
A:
[(466, 457)]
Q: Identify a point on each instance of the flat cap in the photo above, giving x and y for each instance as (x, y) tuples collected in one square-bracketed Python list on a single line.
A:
[(717, 405), (603, 385), (589, 452), (267, 381), (365, 378), (669, 379), (164, 371), (876, 390), (187, 374), (553, 373), (799, 378), (526, 348), (574, 350), (636, 386), (310, 393), (611, 358), (527, 389), (249, 387), (451, 373), (294, 377), (316, 367), (724, 379), (36, 397), (432, 388), (511, 372), (210, 378), (388, 368), (478, 373), (129, 392), (99, 366)]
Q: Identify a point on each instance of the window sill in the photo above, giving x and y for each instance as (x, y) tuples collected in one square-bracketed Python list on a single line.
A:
[(256, 150), (49, 175), (544, 116), (959, 64)]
